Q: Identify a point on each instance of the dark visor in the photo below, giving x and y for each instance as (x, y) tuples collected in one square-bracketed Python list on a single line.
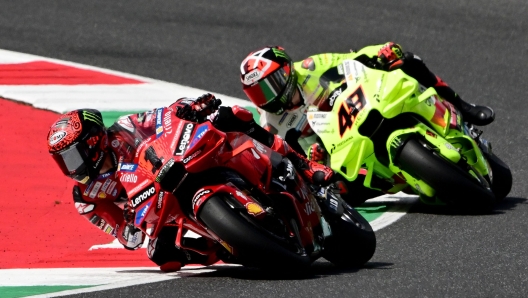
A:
[(282, 100), (72, 162)]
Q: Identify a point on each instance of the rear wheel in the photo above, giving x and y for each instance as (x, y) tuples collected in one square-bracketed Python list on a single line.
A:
[(452, 184), (353, 241), (254, 246), (502, 177)]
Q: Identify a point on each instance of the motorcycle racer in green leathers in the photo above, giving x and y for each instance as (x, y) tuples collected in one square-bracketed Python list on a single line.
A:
[(283, 90)]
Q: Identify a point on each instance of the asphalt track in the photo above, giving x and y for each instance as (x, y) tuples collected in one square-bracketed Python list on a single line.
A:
[(479, 47)]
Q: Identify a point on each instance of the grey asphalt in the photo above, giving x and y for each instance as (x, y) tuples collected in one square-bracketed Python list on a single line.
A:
[(479, 47)]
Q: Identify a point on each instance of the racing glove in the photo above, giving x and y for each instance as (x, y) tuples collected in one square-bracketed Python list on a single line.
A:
[(317, 153), (199, 109), (390, 56)]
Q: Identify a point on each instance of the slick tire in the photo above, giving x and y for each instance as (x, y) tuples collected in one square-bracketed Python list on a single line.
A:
[(502, 177), (453, 185), (254, 247), (353, 241)]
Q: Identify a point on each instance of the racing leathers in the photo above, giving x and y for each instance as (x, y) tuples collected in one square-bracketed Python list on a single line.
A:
[(104, 201)]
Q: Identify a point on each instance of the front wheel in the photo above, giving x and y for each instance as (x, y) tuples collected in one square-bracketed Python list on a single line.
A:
[(452, 184), (254, 246), (353, 241)]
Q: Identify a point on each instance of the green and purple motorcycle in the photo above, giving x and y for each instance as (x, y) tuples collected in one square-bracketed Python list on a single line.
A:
[(405, 134)]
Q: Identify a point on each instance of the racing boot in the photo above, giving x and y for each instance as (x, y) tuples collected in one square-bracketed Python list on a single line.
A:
[(474, 114), (312, 171)]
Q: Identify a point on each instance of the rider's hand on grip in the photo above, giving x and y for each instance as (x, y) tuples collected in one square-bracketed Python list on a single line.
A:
[(390, 56), (198, 110), (317, 153), (206, 104)]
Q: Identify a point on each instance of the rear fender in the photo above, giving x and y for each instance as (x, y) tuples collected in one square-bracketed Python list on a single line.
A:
[(203, 194)]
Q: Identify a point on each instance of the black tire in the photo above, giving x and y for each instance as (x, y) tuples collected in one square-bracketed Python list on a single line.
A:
[(254, 247), (502, 177), (452, 184), (353, 241)]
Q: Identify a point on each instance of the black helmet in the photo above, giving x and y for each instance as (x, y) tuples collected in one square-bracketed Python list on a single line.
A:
[(268, 79), (77, 141)]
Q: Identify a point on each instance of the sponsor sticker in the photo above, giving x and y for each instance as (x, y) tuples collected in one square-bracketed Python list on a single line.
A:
[(95, 219), (88, 188), (115, 143), (184, 139), (127, 167), (292, 120), (106, 184), (141, 214), (95, 189), (251, 77), (200, 132), (159, 122), (84, 208), (111, 187), (160, 200), (199, 195), (57, 137), (143, 195), (190, 157), (128, 178)]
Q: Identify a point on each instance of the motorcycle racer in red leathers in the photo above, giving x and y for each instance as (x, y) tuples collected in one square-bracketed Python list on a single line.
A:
[(92, 155)]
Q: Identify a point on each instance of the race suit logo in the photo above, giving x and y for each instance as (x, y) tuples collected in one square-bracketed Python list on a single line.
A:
[(144, 195), (184, 139), (141, 214), (333, 97)]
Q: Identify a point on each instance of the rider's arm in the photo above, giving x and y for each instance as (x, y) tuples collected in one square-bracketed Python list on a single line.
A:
[(106, 216)]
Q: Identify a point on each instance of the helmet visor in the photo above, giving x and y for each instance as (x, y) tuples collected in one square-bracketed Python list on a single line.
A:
[(72, 163), (273, 93)]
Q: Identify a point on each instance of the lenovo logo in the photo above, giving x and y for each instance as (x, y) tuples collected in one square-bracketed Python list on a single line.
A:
[(184, 139), (145, 194)]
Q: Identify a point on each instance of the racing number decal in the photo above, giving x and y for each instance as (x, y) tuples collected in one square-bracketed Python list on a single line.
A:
[(348, 111)]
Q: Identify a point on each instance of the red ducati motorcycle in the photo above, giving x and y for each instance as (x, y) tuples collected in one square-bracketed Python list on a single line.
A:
[(230, 189)]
